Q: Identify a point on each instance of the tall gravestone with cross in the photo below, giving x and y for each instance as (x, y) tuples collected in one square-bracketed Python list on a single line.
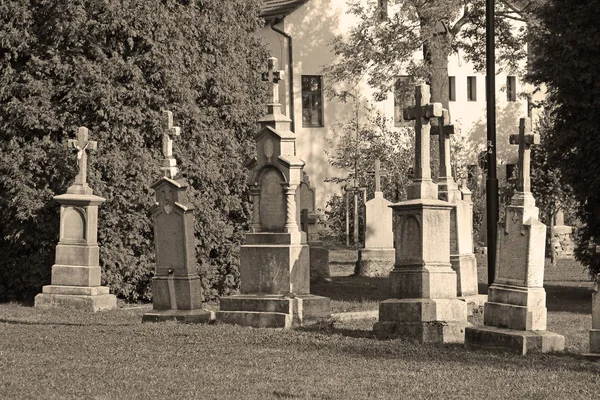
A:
[(75, 281), (423, 284), (461, 220), (376, 259), (319, 254), (176, 285), (274, 261), (515, 313)]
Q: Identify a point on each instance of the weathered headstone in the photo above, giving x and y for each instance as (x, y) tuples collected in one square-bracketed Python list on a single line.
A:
[(319, 254), (562, 237), (515, 313), (75, 281), (274, 261), (423, 283), (176, 285), (461, 221), (594, 353), (376, 259)]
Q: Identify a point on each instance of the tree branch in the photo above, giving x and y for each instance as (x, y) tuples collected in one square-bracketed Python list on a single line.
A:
[(464, 19)]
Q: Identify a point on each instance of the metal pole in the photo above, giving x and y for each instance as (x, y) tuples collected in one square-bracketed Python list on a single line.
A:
[(492, 181)]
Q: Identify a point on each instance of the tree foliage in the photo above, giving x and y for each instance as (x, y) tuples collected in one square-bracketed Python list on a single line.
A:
[(114, 66), (567, 60)]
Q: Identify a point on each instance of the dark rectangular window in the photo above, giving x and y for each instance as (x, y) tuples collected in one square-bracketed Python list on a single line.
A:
[(312, 101), (511, 88), (404, 96), (452, 88), (471, 88)]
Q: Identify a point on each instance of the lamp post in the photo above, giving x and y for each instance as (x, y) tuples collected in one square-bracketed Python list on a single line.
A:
[(492, 180)]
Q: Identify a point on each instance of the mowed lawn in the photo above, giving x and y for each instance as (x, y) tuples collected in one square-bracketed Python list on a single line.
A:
[(69, 354)]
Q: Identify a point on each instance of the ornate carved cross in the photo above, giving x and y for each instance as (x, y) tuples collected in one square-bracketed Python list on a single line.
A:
[(81, 144), (524, 139), (273, 76), (422, 112), (169, 165), (444, 129)]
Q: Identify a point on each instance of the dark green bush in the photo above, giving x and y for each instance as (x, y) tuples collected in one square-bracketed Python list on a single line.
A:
[(114, 66)]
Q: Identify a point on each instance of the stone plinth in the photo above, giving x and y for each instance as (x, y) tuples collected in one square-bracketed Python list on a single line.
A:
[(515, 313), (176, 285), (75, 281), (425, 306), (594, 353), (377, 258)]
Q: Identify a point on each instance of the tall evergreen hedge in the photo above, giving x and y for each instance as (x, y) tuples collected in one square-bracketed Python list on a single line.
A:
[(114, 66)]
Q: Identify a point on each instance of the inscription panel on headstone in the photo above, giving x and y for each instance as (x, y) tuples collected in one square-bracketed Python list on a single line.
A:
[(513, 251), (73, 224), (272, 202), (410, 239), (170, 253), (454, 232)]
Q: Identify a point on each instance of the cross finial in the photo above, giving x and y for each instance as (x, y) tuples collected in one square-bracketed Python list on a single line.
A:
[(422, 112), (378, 173), (169, 164), (524, 139), (81, 144), (273, 76), (444, 129)]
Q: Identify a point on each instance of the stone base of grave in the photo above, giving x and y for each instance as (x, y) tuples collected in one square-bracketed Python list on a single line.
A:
[(514, 341), (475, 303), (186, 316), (426, 320), (274, 311), (95, 298), (465, 266), (375, 262), (319, 263), (515, 307)]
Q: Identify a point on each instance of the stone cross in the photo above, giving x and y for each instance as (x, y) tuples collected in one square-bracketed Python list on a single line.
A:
[(378, 173), (169, 166), (524, 139), (82, 144), (444, 129), (422, 112), (273, 76)]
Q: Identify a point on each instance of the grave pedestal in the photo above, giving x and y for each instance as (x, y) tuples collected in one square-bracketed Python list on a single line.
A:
[(176, 285), (515, 313), (377, 258), (275, 285), (75, 281), (425, 306)]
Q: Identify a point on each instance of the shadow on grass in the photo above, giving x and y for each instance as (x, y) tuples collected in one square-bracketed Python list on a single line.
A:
[(41, 323), (575, 299), (353, 288)]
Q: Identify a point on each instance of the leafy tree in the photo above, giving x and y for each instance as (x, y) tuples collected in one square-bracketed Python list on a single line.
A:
[(567, 59), (361, 139), (114, 66)]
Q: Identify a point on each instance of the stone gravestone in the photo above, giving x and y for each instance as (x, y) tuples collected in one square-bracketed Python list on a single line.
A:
[(594, 353), (562, 237), (176, 285), (461, 221), (75, 281), (423, 283), (319, 254), (274, 261), (377, 257), (515, 313)]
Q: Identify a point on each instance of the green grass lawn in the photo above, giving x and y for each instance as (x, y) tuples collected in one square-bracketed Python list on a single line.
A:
[(69, 354)]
